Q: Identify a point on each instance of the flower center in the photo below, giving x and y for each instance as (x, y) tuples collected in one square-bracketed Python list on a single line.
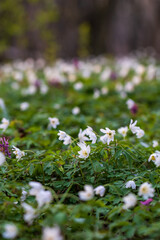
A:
[(144, 190), (153, 158), (85, 153)]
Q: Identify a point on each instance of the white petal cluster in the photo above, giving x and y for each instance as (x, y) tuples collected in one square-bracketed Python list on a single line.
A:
[(85, 150), (75, 110), (24, 106), (155, 143), (100, 190), (10, 232), (19, 154), (52, 233), (64, 137), (4, 124), (130, 184), (92, 136), (2, 158), (30, 213), (82, 137), (123, 131), (42, 196), (87, 194), (108, 137), (155, 157), (146, 190), (129, 201), (53, 122), (135, 129), (130, 103)]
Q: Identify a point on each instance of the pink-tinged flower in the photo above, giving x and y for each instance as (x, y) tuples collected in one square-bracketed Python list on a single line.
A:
[(134, 109), (147, 202)]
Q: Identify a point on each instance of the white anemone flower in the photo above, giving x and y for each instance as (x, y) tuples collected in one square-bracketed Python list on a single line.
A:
[(100, 190), (54, 122), (123, 131), (10, 232), (133, 126), (130, 184), (87, 194), (19, 154), (155, 143), (155, 157), (43, 197), (75, 110), (52, 233), (130, 103), (146, 190), (109, 135), (2, 158), (24, 106), (4, 125), (29, 213), (82, 137), (92, 136), (85, 150), (129, 201), (140, 133), (64, 137)]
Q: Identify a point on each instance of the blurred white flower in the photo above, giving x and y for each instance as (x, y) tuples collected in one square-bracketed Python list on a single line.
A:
[(10, 232), (52, 233), (146, 190), (100, 190), (24, 106), (29, 213), (133, 126), (43, 197), (130, 184), (123, 131), (2, 158), (4, 125), (104, 90), (2, 104), (155, 143), (54, 122), (78, 86), (129, 201), (75, 110), (140, 133), (96, 94), (88, 194), (130, 103)]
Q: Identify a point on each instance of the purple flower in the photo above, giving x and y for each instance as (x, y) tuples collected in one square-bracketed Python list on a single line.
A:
[(134, 109), (4, 146), (147, 202), (113, 76)]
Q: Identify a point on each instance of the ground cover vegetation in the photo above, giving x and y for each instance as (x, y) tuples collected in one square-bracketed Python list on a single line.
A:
[(79, 149)]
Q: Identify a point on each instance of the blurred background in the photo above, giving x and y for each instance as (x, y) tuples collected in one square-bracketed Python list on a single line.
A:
[(77, 28)]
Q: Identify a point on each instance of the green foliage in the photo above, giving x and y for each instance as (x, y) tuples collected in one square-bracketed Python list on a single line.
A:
[(58, 166)]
